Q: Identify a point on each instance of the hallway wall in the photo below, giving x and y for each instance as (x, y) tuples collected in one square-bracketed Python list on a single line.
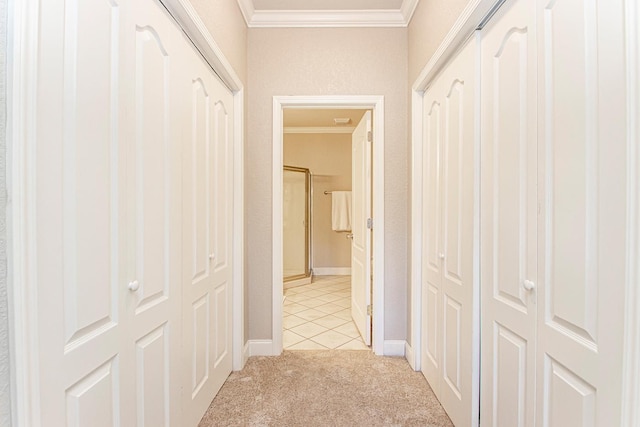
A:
[(227, 26), (326, 61), (431, 22)]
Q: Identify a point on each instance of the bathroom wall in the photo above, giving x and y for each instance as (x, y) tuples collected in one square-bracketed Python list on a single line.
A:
[(328, 157)]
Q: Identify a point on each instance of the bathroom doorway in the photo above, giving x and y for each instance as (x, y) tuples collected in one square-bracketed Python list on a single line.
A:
[(320, 314)]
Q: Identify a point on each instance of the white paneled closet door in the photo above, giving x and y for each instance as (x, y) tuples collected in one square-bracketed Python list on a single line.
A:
[(509, 234), (449, 314), (152, 64), (207, 225), (554, 195), (106, 218), (583, 202)]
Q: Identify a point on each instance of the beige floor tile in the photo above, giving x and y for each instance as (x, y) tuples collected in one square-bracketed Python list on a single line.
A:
[(312, 293), (343, 302), (307, 345), (296, 298), (328, 297), (344, 314), (294, 308), (308, 329), (312, 302), (292, 320), (348, 329), (356, 344), (331, 339), (330, 322), (289, 338), (311, 314), (329, 308)]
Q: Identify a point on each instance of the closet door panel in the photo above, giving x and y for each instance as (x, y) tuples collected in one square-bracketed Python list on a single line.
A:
[(207, 224), (508, 216), (154, 193), (431, 238), (457, 228), (75, 253), (583, 149)]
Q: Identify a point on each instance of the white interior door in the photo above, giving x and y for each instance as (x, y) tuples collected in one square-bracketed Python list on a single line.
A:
[(207, 226), (509, 216), (583, 160), (361, 242), (450, 294)]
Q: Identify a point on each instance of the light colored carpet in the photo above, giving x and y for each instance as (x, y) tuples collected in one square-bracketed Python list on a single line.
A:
[(326, 388)]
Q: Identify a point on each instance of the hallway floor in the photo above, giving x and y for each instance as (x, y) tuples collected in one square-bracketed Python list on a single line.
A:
[(326, 388), (318, 316)]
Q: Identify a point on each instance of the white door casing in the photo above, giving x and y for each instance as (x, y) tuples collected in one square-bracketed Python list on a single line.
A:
[(361, 238), (207, 225), (509, 216), (449, 315)]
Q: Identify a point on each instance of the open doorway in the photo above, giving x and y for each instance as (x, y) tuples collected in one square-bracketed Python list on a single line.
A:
[(319, 201), (333, 311)]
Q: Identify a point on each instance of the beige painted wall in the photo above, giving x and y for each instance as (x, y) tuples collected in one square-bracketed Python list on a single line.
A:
[(330, 61), (431, 22), (228, 28), (328, 157)]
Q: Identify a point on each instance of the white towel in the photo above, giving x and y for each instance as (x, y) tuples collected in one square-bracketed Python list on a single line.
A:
[(341, 211)]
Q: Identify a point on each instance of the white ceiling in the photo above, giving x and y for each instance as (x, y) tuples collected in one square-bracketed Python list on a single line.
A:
[(327, 13)]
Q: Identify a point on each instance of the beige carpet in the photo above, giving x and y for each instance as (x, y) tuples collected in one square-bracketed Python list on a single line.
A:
[(326, 388)]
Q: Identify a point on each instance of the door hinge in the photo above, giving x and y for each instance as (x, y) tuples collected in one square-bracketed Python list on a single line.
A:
[(369, 310), (369, 136), (370, 223)]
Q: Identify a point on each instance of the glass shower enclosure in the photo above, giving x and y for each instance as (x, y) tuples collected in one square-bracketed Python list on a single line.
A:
[(296, 214)]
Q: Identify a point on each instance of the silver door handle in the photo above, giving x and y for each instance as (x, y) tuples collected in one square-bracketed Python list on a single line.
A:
[(528, 285), (350, 236), (441, 255)]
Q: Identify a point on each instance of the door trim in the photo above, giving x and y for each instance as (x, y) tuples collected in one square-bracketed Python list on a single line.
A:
[(376, 103), (631, 362), (22, 57)]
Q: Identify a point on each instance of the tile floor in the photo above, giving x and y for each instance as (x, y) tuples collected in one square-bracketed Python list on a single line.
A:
[(318, 316)]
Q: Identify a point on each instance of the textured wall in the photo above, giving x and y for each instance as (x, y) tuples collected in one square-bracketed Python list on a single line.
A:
[(328, 157), (431, 22), (227, 26), (330, 61), (5, 397)]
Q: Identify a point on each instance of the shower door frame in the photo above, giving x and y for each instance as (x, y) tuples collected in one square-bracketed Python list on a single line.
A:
[(308, 222)]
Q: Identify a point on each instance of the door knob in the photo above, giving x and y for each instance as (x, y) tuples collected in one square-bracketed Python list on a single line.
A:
[(529, 285), (212, 256), (441, 255), (350, 236), (134, 286)]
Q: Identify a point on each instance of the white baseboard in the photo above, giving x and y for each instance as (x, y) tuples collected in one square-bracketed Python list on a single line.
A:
[(261, 348), (394, 347), (332, 271), (245, 353), (411, 357)]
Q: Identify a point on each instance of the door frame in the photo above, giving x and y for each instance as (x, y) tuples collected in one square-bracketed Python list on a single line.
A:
[(22, 70), (375, 103)]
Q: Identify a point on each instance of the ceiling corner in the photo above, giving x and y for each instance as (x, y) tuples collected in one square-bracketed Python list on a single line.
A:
[(247, 9)]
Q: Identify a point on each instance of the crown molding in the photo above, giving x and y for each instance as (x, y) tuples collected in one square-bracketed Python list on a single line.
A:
[(327, 18), (321, 129)]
